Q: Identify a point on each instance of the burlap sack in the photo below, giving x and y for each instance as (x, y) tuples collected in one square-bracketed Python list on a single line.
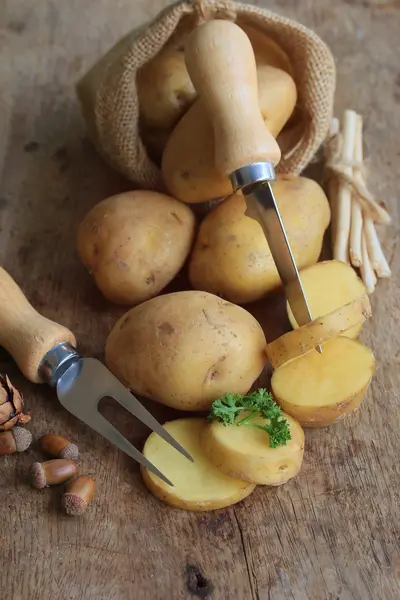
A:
[(108, 92)]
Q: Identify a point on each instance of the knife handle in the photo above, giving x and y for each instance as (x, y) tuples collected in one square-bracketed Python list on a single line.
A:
[(220, 61), (24, 333)]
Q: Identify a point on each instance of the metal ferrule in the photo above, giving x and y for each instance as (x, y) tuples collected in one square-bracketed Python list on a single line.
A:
[(251, 174), (57, 360)]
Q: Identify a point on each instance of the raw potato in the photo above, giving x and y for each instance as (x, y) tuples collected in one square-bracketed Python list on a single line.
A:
[(199, 485), (329, 285), (231, 257), (244, 452), (165, 93), (266, 50), (319, 389), (135, 243), (188, 165), (186, 349), (304, 339)]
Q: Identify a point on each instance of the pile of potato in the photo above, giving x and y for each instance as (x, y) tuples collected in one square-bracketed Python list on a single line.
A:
[(186, 349)]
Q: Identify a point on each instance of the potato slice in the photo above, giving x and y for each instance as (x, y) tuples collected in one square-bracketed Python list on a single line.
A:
[(199, 485), (302, 340), (318, 389), (244, 452), (329, 285)]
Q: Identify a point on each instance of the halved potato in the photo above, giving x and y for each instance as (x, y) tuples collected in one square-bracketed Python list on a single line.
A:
[(199, 485), (318, 389), (329, 285), (244, 451), (302, 340)]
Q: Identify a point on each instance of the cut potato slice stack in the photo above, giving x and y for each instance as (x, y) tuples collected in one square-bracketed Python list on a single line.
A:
[(244, 451), (318, 389), (304, 339), (199, 485), (330, 285)]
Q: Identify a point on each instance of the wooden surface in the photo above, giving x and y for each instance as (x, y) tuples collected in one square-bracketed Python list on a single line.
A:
[(333, 532)]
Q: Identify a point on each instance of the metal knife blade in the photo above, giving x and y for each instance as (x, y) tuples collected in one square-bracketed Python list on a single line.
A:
[(262, 206)]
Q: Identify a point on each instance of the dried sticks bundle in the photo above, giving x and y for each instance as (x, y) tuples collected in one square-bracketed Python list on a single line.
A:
[(355, 211)]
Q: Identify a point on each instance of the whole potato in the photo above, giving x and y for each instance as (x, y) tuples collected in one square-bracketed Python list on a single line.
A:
[(135, 243), (188, 165), (186, 349), (231, 256), (266, 50)]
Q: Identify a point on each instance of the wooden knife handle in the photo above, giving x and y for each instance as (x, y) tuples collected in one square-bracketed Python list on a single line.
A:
[(220, 61), (24, 333)]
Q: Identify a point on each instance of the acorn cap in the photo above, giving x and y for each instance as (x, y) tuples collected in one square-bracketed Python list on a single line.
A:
[(70, 452), (73, 505), (37, 476), (22, 437)]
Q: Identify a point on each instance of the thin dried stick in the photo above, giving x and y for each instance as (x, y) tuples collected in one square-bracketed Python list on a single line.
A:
[(367, 273), (341, 244), (378, 260), (356, 211)]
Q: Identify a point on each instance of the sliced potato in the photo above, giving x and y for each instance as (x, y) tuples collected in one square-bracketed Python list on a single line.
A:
[(197, 486), (329, 285), (318, 389), (302, 340), (244, 452)]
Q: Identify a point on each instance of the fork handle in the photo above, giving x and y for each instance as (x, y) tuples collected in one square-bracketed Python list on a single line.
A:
[(24, 333), (221, 63)]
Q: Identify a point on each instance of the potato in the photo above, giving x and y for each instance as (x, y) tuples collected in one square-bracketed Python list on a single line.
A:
[(304, 339), (244, 452), (318, 389), (329, 285), (165, 90), (266, 50), (188, 166), (185, 349), (199, 485), (135, 243), (231, 257)]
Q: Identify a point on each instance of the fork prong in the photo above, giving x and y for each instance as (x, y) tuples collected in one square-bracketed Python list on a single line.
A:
[(104, 427), (132, 404)]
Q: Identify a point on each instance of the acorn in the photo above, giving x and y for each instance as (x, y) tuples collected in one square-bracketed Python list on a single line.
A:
[(78, 494), (17, 439), (59, 447), (52, 472)]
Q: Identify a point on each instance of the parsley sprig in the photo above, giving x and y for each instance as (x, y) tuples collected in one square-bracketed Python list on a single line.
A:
[(229, 407)]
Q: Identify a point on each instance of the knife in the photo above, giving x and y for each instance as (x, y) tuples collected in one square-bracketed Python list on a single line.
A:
[(46, 352), (220, 61)]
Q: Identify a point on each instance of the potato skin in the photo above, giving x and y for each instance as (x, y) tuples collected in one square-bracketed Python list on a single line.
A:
[(188, 165), (266, 466), (186, 349), (134, 244), (231, 257)]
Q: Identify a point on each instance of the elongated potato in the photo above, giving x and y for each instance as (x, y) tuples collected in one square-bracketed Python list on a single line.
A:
[(266, 50), (304, 339), (318, 389), (186, 349), (244, 451), (231, 256), (188, 165), (133, 244), (199, 485), (329, 285)]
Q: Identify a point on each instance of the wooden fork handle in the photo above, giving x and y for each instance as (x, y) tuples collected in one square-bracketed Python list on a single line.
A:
[(24, 333), (221, 63)]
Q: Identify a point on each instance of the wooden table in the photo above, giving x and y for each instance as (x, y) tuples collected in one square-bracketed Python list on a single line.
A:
[(333, 532)]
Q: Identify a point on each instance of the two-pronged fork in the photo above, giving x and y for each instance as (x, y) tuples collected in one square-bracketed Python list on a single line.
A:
[(46, 352)]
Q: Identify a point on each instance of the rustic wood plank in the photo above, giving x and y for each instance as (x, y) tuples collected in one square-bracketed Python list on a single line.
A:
[(333, 533)]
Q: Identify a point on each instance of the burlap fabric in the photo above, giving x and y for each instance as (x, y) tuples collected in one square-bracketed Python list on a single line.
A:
[(108, 92)]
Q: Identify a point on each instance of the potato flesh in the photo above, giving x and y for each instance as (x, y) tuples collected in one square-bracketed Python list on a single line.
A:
[(317, 389), (329, 285), (198, 485), (244, 452)]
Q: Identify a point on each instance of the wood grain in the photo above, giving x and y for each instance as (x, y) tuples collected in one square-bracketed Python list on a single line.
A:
[(333, 532)]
